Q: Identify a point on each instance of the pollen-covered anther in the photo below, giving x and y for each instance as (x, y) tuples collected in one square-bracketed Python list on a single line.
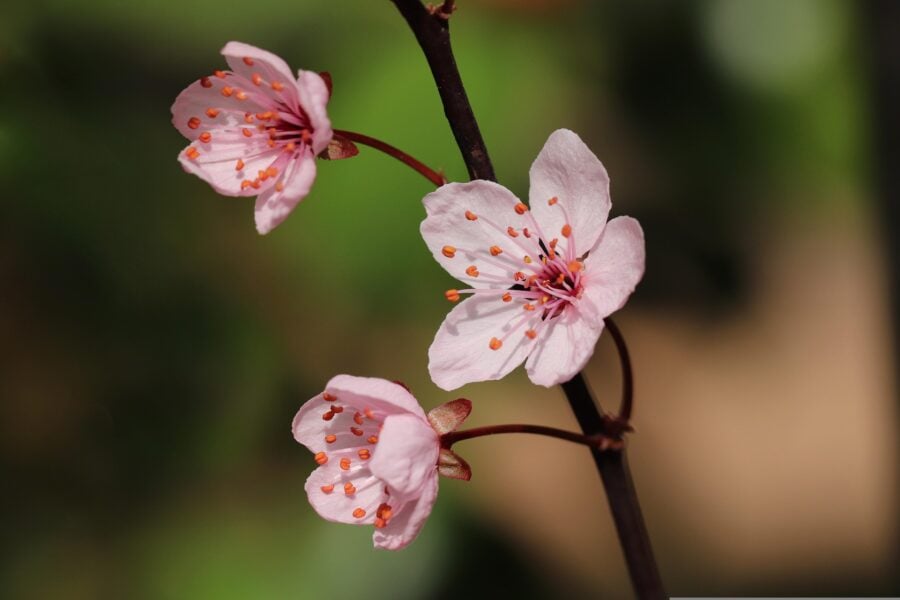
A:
[(519, 276), (554, 242), (205, 137), (246, 184), (384, 511), (328, 415), (239, 165), (496, 250), (552, 201), (507, 297), (472, 271), (192, 153), (246, 132), (219, 74), (212, 113), (193, 123), (364, 454), (358, 418), (327, 489), (471, 216), (345, 464), (448, 251), (372, 439), (321, 458), (575, 266), (256, 79), (525, 232), (544, 299), (205, 82), (452, 295), (356, 431), (368, 412), (521, 208), (560, 279), (531, 334), (248, 61), (337, 409), (566, 230), (227, 91), (279, 187), (359, 513), (328, 397), (241, 95), (512, 232), (290, 147), (527, 260), (330, 438), (349, 489), (249, 118), (495, 344), (277, 86), (528, 306)]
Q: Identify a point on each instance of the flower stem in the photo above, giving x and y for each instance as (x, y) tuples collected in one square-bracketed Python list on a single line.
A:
[(428, 173), (627, 375), (433, 36), (593, 441)]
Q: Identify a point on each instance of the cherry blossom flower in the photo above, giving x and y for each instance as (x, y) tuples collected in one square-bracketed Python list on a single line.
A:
[(379, 455), (543, 277), (255, 130)]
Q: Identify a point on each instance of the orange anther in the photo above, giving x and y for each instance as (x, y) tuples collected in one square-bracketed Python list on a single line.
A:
[(356, 431), (248, 118), (369, 414), (521, 208), (279, 187), (328, 397), (192, 153), (359, 513), (519, 276), (448, 251), (373, 439), (531, 333), (239, 165), (337, 409), (262, 175), (330, 438), (248, 61), (193, 122), (277, 86), (554, 242), (512, 232), (227, 91), (244, 185), (272, 171), (321, 458), (380, 523), (496, 250), (472, 271), (305, 135), (495, 344), (257, 79), (241, 95), (270, 143), (345, 464), (471, 216), (566, 230), (327, 488), (384, 510), (219, 74), (349, 489), (212, 113), (507, 297), (527, 259), (290, 147), (255, 183), (552, 201), (357, 418), (531, 280), (544, 299), (560, 279), (575, 266), (246, 132), (205, 82), (526, 232), (528, 306), (328, 415), (205, 137), (364, 454)]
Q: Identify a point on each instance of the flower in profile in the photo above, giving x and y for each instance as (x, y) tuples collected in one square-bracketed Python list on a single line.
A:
[(379, 455), (255, 130), (542, 277)]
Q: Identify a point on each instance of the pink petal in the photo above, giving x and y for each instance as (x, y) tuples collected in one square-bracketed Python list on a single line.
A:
[(405, 526), (383, 396), (567, 170), (563, 348), (269, 66), (406, 456), (313, 95), (274, 206), (470, 241), (461, 352), (333, 502), (614, 268), (449, 416)]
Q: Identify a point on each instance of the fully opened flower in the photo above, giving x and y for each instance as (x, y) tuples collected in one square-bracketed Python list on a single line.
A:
[(255, 130), (542, 277), (379, 455)]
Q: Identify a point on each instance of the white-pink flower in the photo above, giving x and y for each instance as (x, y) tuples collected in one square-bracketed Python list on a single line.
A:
[(379, 455), (255, 130), (542, 277)]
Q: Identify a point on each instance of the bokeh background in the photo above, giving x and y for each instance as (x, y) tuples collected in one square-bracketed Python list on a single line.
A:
[(155, 348)]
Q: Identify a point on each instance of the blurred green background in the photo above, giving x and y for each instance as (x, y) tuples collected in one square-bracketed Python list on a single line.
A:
[(155, 348)]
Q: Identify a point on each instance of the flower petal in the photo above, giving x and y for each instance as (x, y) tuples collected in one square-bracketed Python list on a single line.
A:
[(325, 488), (406, 455), (270, 67), (461, 352), (567, 170), (613, 269), (405, 526), (274, 206), (458, 241), (563, 348), (313, 95), (382, 396)]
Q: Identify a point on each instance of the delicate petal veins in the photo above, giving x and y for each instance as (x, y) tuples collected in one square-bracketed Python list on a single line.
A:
[(271, 68), (566, 169), (564, 350), (615, 267), (463, 350), (274, 205), (465, 221), (405, 526), (313, 93), (406, 456)]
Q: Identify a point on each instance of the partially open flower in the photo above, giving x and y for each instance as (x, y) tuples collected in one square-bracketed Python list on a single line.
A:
[(255, 130), (378, 455), (543, 277)]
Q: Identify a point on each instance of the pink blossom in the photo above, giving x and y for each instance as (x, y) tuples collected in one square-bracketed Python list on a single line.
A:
[(378, 454), (255, 130), (542, 277)]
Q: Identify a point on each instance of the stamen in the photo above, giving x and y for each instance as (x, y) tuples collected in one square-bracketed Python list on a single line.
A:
[(526, 232), (345, 464), (192, 153), (364, 454), (328, 488), (519, 276), (373, 439), (359, 513), (330, 438), (495, 344), (531, 333), (239, 165), (471, 216), (368, 412), (357, 418), (566, 230), (472, 271), (277, 86), (227, 91), (321, 458), (527, 260), (349, 489), (212, 113), (241, 95), (248, 118), (330, 414), (528, 306), (279, 187), (205, 137), (521, 208), (496, 250), (219, 74), (256, 79), (193, 122), (512, 232), (452, 295), (328, 397), (380, 523), (246, 132), (248, 61), (507, 297), (245, 184), (205, 82), (448, 251), (575, 266), (337, 409), (356, 431), (552, 201)]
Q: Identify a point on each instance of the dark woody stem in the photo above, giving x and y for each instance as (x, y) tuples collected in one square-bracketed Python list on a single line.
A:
[(428, 173), (627, 375), (433, 34), (593, 441)]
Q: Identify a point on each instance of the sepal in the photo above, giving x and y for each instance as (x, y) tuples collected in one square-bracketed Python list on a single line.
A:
[(452, 465), (449, 416)]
